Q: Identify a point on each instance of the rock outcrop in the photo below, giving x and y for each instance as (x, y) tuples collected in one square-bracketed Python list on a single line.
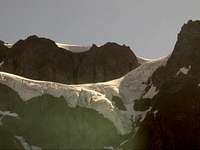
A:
[(174, 119), (3, 51), (41, 59)]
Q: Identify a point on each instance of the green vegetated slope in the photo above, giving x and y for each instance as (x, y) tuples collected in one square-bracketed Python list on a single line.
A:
[(49, 123)]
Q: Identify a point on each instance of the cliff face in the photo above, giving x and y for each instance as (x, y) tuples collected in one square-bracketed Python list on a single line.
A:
[(3, 51), (108, 62), (41, 59), (174, 119)]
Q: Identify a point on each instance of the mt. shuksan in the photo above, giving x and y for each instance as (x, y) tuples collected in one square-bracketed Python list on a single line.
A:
[(154, 106)]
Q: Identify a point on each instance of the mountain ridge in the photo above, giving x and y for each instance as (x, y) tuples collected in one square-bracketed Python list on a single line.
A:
[(60, 65), (156, 106)]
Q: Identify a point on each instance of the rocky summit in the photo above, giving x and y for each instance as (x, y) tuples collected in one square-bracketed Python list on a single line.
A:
[(41, 59)]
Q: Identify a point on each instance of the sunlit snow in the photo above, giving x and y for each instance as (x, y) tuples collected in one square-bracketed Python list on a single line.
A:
[(7, 113), (73, 48), (184, 70)]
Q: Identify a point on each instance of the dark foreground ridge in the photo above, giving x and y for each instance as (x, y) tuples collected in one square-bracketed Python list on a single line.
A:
[(41, 59)]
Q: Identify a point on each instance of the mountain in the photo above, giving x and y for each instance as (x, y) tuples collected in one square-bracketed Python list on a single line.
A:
[(155, 106), (42, 59)]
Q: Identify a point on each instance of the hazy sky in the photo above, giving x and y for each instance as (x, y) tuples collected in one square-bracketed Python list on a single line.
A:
[(149, 27)]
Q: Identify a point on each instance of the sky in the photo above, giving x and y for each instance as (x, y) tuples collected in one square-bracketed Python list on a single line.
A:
[(149, 27)]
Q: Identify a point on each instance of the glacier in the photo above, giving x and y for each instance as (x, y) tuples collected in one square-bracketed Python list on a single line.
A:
[(96, 96)]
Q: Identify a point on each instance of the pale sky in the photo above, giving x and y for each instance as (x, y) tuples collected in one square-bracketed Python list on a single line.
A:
[(149, 27)]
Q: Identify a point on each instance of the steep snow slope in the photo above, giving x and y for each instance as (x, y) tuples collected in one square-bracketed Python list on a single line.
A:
[(133, 85)]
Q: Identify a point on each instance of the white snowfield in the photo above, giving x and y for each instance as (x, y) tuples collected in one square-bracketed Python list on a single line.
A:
[(97, 96), (73, 48)]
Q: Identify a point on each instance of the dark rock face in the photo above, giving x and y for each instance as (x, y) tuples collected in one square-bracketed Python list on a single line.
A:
[(3, 51), (141, 104), (174, 121), (108, 62), (118, 103), (41, 59), (1, 42)]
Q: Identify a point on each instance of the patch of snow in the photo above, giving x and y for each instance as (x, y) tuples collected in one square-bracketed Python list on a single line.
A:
[(151, 92), (8, 45), (184, 70), (142, 114), (26, 145), (108, 148), (7, 113), (124, 142), (1, 63), (73, 48), (155, 113), (33, 147), (89, 96)]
